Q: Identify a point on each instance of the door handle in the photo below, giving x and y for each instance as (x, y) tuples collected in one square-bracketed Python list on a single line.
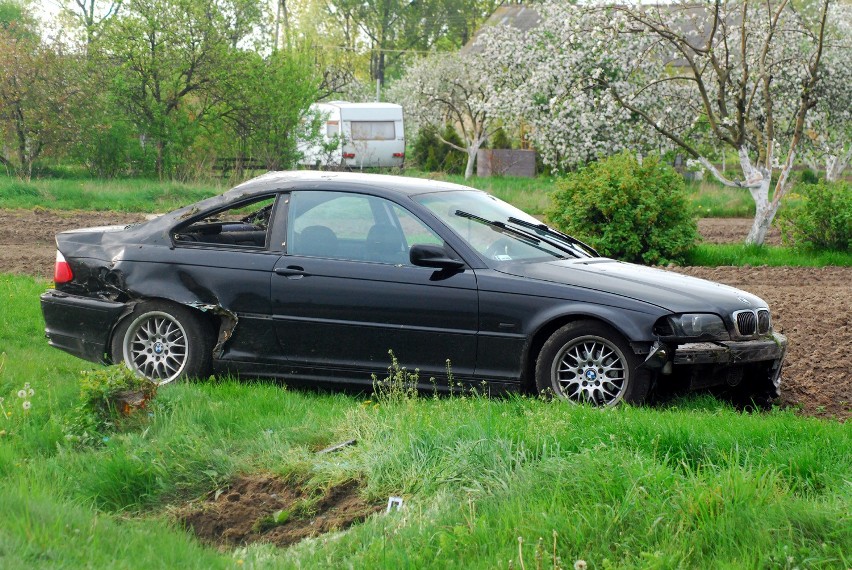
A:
[(291, 271)]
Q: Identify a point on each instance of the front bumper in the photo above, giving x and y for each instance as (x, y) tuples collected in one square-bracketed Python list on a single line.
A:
[(732, 352), (728, 354), (79, 325)]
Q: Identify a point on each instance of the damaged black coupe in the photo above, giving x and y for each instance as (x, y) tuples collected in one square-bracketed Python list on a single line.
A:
[(317, 276)]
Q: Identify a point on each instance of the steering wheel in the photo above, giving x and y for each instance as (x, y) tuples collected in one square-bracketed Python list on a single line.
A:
[(501, 247)]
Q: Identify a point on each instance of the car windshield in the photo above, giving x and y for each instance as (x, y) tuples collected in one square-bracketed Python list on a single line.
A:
[(498, 230)]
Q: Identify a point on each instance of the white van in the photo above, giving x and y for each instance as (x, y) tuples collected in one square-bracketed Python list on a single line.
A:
[(371, 135)]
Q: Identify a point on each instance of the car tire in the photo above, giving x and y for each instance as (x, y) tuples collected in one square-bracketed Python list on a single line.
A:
[(163, 342), (588, 361)]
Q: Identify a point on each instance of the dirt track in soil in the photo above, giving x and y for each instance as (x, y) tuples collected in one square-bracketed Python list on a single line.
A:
[(812, 306), (265, 508)]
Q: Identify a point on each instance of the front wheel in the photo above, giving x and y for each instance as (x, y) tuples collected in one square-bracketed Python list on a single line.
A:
[(587, 361), (162, 342)]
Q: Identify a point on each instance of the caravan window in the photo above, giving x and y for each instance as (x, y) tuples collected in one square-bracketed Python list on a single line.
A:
[(332, 129), (373, 131)]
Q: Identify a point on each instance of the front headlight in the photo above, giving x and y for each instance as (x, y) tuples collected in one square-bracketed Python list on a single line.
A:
[(698, 325)]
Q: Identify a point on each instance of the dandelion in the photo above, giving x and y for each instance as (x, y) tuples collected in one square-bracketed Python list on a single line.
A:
[(27, 405), (580, 565), (22, 393), (30, 392)]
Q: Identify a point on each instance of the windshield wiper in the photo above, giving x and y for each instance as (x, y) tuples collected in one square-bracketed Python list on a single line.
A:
[(493, 223), (526, 236), (550, 231)]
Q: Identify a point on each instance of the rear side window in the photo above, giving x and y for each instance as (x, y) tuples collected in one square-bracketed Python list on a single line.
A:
[(373, 131), (244, 225)]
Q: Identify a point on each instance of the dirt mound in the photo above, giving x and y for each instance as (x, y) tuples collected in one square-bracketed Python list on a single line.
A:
[(732, 230), (27, 237), (811, 305), (265, 508)]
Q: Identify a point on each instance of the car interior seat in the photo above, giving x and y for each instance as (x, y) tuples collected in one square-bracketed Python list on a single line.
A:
[(319, 241), (385, 244)]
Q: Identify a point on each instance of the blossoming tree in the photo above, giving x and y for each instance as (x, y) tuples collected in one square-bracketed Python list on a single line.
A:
[(828, 128), (737, 73), (548, 86), (449, 88)]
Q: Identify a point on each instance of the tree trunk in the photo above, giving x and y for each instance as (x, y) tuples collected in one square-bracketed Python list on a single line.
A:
[(835, 165), (764, 213), (471, 160), (159, 161)]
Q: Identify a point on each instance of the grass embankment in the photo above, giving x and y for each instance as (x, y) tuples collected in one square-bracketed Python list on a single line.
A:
[(694, 485)]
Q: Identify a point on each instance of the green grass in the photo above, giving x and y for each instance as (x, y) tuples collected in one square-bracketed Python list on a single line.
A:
[(713, 200), (125, 195), (693, 485), (741, 254)]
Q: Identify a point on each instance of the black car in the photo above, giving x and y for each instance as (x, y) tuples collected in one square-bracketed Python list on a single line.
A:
[(317, 276)]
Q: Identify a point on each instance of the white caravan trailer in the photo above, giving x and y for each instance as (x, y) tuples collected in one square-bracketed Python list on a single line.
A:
[(371, 135)]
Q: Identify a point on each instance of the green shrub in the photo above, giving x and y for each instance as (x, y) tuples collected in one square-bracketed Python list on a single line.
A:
[(108, 152), (626, 210), (432, 155), (499, 139), (818, 216), (808, 176), (105, 401)]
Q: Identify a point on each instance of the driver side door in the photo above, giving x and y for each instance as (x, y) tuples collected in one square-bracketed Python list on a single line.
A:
[(345, 292)]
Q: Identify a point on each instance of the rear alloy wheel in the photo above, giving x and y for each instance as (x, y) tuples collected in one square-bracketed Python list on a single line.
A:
[(162, 342), (588, 362)]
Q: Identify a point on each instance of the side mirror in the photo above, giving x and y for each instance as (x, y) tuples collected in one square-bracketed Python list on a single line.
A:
[(436, 256)]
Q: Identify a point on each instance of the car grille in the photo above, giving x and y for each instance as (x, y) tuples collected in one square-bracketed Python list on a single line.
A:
[(750, 323)]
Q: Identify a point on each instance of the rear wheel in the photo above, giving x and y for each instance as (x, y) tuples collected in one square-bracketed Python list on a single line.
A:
[(163, 342), (587, 361)]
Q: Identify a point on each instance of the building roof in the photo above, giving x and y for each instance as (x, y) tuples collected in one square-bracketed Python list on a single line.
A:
[(522, 17)]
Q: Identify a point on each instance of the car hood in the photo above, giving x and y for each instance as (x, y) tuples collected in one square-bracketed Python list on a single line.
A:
[(668, 290)]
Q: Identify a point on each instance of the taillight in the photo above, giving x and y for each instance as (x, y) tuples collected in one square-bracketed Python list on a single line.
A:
[(62, 271), (348, 155), (399, 155)]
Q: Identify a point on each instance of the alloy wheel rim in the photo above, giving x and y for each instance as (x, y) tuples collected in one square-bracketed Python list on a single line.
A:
[(590, 369), (155, 346)]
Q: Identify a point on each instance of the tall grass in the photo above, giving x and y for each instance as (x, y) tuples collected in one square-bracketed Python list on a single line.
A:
[(487, 483), (712, 255)]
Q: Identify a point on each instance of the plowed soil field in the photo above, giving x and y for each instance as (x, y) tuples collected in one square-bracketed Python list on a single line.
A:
[(812, 306)]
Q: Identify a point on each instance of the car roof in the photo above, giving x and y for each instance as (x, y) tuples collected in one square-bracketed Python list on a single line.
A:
[(306, 179)]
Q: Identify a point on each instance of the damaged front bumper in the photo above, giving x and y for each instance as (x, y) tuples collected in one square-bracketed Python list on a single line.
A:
[(720, 362), (80, 325), (732, 352)]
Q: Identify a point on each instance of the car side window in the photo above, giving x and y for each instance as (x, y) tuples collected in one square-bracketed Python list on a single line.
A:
[(244, 225), (357, 227)]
